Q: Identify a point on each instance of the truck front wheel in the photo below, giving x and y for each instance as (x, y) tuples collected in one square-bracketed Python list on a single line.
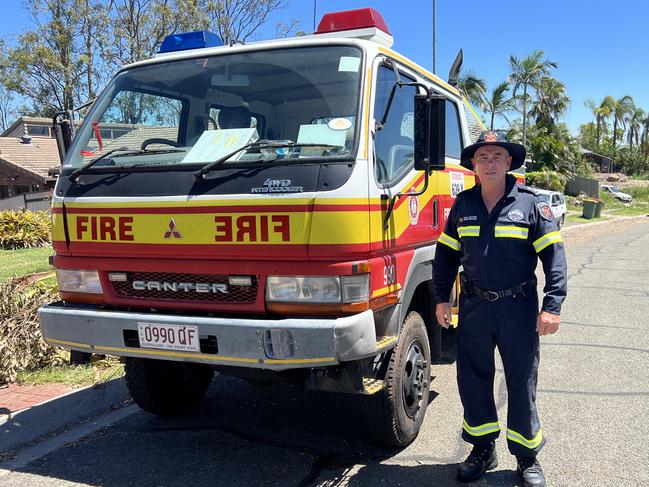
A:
[(166, 388), (395, 414)]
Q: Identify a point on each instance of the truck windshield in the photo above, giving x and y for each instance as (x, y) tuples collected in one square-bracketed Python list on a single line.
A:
[(194, 111)]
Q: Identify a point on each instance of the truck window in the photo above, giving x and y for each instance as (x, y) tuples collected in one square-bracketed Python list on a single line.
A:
[(198, 109), (135, 117), (453, 131), (394, 143)]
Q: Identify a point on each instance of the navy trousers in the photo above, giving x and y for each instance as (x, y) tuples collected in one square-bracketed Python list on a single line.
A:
[(509, 324)]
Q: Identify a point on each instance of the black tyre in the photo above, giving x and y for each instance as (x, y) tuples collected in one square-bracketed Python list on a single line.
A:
[(395, 414), (166, 388), (79, 358), (561, 221)]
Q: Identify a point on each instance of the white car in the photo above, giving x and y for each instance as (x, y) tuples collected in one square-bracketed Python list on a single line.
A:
[(624, 197), (557, 203)]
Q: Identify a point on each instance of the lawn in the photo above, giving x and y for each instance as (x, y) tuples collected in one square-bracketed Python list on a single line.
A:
[(103, 370), (23, 262), (613, 207)]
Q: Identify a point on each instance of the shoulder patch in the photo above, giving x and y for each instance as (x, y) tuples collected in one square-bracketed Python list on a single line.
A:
[(545, 211)]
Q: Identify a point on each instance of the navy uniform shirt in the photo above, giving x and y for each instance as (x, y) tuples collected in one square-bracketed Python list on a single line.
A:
[(500, 250)]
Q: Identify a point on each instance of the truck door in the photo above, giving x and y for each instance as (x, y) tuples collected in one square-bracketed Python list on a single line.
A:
[(393, 164)]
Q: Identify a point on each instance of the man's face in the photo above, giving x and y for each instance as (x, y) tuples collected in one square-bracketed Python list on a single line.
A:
[(491, 163)]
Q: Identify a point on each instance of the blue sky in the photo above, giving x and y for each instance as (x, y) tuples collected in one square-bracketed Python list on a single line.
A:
[(602, 47)]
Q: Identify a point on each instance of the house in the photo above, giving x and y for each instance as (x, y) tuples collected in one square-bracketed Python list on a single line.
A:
[(24, 164)]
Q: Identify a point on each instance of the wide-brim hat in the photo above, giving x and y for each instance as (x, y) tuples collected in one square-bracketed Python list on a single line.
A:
[(489, 137)]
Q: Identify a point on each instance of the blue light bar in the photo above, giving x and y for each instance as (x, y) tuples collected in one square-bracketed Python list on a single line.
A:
[(190, 40)]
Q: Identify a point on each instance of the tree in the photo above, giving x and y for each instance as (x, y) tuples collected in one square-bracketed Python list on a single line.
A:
[(138, 27), (645, 137), (238, 20), (526, 72), (472, 88), (588, 136), (551, 103), (47, 65), (622, 108), (554, 149), (497, 103), (602, 112), (7, 111), (635, 121)]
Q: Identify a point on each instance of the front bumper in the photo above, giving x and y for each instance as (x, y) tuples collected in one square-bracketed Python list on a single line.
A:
[(318, 341)]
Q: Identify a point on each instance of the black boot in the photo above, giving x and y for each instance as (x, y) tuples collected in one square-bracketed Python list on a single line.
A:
[(481, 459), (530, 470)]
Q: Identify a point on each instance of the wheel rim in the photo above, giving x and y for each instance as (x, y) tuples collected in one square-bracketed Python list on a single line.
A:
[(414, 378)]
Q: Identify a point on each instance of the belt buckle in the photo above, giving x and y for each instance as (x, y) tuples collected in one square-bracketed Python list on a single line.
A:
[(491, 296)]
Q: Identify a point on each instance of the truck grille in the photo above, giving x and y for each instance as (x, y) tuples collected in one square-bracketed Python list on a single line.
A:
[(234, 294)]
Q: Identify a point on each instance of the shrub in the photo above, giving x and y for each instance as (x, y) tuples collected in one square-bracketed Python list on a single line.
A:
[(550, 180), (24, 229), (21, 344)]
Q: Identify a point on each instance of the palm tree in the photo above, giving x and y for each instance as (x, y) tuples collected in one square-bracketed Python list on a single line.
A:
[(645, 137), (526, 72), (472, 88), (622, 108), (497, 103), (551, 103), (635, 121), (602, 112)]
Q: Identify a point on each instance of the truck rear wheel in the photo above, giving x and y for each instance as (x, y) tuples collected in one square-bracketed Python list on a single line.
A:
[(395, 414), (166, 388)]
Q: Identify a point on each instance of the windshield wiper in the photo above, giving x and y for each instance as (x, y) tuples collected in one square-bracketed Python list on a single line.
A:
[(260, 144), (74, 175)]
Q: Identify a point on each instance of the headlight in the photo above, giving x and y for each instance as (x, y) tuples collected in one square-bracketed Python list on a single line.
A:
[(296, 289), (78, 281), (320, 289), (356, 288)]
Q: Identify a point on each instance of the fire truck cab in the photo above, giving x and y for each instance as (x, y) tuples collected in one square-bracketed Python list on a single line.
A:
[(267, 210)]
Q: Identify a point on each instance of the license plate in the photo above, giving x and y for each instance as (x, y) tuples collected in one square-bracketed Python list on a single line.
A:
[(169, 337)]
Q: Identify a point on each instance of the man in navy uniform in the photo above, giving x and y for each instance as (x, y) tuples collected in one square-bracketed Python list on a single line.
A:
[(496, 231)]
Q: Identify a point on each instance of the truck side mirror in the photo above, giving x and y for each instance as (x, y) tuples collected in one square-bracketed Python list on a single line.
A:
[(62, 126), (429, 127)]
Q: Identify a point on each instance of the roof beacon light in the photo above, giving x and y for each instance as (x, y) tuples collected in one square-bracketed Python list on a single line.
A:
[(362, 23), (190, 40)]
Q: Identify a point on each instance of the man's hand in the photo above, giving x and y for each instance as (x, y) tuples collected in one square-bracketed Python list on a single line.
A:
[(547, 323), (443, 314)]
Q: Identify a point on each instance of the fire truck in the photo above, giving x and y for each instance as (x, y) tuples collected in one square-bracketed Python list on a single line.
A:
[(266, 210)]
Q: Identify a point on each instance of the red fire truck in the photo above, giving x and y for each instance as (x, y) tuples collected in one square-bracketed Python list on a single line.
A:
[(267, 210)]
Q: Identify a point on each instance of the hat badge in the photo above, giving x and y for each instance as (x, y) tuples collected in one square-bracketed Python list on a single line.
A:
[(490, 137)]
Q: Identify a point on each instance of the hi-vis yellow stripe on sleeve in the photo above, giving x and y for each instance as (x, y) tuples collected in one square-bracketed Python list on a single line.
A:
[(511, 231), (521, 440), (547, 239), (483, 429), (469, 231), (449, 242)]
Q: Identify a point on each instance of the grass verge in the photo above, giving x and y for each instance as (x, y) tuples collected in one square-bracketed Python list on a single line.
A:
[(103, 370), (23, 262)]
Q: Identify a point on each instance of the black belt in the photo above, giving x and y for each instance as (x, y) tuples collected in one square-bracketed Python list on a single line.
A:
[(490, 295)]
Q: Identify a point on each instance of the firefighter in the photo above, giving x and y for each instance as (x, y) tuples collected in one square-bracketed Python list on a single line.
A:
[(496, 231)]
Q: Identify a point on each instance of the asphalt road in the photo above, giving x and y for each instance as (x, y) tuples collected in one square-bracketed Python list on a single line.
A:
[(593, 402)]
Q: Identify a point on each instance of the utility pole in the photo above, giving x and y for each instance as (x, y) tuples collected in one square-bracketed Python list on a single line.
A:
[(434, 36), (315, 8)]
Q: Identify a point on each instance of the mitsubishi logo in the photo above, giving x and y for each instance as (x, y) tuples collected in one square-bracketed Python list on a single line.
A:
[(172, 232)]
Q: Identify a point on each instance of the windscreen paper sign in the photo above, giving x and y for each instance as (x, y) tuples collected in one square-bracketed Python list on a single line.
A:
[(214, 144)]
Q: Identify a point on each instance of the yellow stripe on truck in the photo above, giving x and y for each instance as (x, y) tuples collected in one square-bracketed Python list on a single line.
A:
[(163, 353)]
